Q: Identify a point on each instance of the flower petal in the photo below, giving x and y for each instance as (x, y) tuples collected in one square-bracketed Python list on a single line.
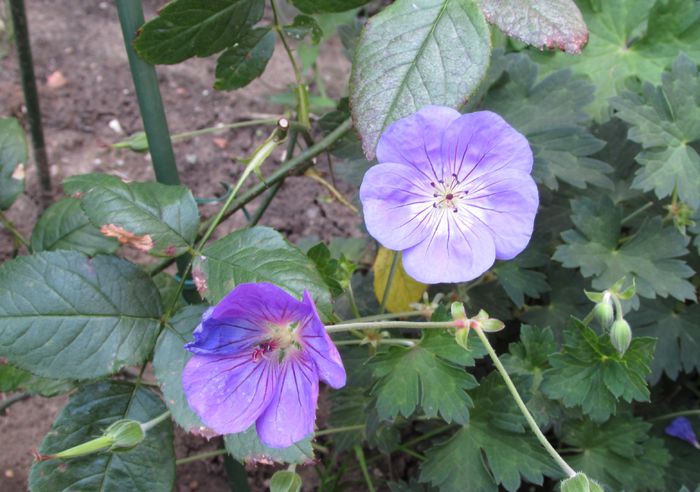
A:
[(482, 142), (415, 140), (241, 319), (291, 414), (506, 203), (397, 202), (229, 393), (319, 347), (459, 249)]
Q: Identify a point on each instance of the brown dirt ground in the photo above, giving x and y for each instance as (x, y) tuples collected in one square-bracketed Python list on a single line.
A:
[(82, 40)]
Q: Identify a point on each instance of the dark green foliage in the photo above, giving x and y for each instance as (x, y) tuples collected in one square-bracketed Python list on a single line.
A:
[(590, 373)]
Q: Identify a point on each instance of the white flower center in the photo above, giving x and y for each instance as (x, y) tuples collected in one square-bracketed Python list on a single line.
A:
[(448, 194)]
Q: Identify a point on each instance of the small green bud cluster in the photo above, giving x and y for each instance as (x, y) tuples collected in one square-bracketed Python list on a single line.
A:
[(482, 321), (608, 312)]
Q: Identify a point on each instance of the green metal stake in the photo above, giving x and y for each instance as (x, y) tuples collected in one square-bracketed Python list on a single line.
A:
[(148, 93), (31, 97)]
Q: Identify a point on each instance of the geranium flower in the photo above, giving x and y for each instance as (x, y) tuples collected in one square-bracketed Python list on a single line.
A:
[(681, 428), (258, 357), (453, 192)]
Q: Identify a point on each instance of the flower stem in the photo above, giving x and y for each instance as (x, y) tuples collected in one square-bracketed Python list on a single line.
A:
[(11, 400), (15, 233), (523, 408), (676, 414), (200, 456), (389, 281), (636, 212), (353, 302), (387, 316), (391, 324), (363, 466), (386, 341), (337, 430), (152, 423)]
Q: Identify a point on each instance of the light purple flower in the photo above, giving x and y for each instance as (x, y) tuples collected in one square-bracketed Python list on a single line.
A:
[(452, 191), (258, 357), (681, 428)]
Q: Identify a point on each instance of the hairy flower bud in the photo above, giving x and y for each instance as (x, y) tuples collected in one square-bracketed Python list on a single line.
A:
[(580, 483), (621, 335), (125, 434), (604, 311)]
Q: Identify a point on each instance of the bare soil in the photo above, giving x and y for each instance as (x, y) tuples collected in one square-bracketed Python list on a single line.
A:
[(82, 40)]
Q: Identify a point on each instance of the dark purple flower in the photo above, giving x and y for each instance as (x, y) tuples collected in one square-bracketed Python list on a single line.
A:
[(258, 357), (681, 428), (452, 191)]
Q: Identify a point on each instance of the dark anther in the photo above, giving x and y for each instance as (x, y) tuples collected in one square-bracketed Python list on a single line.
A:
[(454, 210), (434, 205), (432, 184), (435, 195), (441, 181), (449, 196)]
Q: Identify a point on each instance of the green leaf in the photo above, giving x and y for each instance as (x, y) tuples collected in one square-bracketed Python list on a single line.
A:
[(348, 407), (492, 449), (246, 60), (13, 160), (664, 120), (618, 453), (590, 373), (540, 23), (327, 266), (677, 329), (526, 362), (303, 26), (168, 287), (637, 38), (565, 299), (169, 361), (517, 278), (159, 219), (64, 315), (550, 113), (64, 225), (322, 6), (429, 375), (187, 28), (15, 379), (649, 255), (150, 466), (413, 53), (258, 254), (246, 447)]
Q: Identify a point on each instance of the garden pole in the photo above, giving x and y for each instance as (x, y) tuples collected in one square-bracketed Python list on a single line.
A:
[(148, 93), (31, 97)]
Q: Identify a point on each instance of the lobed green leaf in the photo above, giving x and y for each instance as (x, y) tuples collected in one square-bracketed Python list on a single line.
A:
[(13, 161)]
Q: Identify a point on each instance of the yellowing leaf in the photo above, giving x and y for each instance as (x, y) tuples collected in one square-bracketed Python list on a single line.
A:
[(404, 290)]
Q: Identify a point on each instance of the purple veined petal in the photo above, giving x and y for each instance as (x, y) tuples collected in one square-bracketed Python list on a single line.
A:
[(229, 393), (415, 140), (397, 202), (681, 428), (263, 302), (222, 337), (241, 319), (506, 203), (459, 249), (479, 143), (318, 346), (291, 414)]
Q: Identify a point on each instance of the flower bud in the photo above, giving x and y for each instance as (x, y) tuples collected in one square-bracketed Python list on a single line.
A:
[(580, 483), (125, 434), (604, 311), (462, 337), (621, 335)]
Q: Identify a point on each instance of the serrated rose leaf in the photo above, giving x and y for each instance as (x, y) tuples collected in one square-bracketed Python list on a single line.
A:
[(187, 28), (540, 23), (414, 53), (64, 315)]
